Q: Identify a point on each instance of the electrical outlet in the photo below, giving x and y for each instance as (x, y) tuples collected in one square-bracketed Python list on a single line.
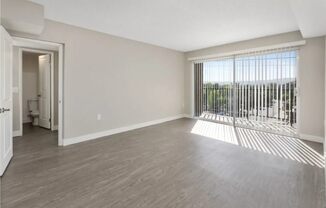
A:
[(99, 117)]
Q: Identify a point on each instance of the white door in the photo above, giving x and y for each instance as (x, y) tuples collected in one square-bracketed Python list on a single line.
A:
[(44, 94), (6, 147)]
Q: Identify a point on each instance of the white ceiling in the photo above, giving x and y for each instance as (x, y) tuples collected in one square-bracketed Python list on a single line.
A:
[(183, 25), (310, 16)]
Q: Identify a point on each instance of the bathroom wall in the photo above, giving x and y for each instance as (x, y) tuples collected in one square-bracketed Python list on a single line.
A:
[(56, 89), (16, 92), (30, 81)]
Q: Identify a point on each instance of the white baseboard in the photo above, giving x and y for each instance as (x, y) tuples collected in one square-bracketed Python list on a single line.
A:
[(187, 116), (17, 133), (88, 137), (312, 138)]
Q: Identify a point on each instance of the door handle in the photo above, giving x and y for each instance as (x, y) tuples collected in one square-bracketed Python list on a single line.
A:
[(3, 110)]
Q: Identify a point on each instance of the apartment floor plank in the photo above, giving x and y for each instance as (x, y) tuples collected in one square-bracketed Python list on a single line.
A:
[(164, 165)]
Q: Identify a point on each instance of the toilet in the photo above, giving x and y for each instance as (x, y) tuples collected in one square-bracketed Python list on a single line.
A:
[(33, 111)]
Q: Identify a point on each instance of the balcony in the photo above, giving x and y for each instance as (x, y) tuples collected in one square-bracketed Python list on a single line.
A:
[(271, 125)]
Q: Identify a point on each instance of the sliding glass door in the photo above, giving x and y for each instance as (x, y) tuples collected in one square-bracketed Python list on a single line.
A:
[(217, 90), (253, 91)]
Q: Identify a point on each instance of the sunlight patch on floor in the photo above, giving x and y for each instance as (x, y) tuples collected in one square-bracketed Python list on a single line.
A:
[(281, 146), (217, 131)]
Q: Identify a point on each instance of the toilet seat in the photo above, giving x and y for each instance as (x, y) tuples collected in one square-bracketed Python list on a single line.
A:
[(35, 113)]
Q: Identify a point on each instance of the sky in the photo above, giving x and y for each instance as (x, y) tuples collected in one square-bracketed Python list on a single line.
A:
[(266, 67)]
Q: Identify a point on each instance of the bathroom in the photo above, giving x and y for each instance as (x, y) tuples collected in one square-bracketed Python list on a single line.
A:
[(35, 104)]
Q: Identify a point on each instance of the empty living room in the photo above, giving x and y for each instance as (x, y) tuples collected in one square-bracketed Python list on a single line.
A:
[(162, 103)]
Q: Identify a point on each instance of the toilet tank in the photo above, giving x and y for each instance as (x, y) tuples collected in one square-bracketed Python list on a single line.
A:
[(32, 105)]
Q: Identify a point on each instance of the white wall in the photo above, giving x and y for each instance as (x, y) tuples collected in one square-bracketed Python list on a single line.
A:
[(30, 81), (0, 15), (311, 77), (325, 109), (125, 81), (325, 112), (312, 88), (56, 88)]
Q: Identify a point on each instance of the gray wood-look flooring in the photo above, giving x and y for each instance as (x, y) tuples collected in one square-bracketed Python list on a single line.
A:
[(166, 165)]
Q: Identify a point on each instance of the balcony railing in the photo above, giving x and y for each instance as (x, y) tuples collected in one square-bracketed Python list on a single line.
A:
[(268, 105)]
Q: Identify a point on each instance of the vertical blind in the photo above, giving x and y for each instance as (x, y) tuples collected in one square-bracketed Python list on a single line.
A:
[(258, 87), (198, 76), (265, 87)]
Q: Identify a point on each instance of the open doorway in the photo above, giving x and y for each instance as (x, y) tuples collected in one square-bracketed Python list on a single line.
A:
[(11, 99), (37, 88), (39, 75)]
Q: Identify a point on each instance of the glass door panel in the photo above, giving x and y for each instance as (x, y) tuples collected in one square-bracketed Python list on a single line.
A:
[(218, 90), (265, 91)]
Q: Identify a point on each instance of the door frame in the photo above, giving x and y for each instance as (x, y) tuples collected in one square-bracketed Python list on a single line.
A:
[(20, 84), (26, 44)]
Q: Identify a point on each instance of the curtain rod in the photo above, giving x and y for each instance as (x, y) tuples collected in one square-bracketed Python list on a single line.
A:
[(251, 50)]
